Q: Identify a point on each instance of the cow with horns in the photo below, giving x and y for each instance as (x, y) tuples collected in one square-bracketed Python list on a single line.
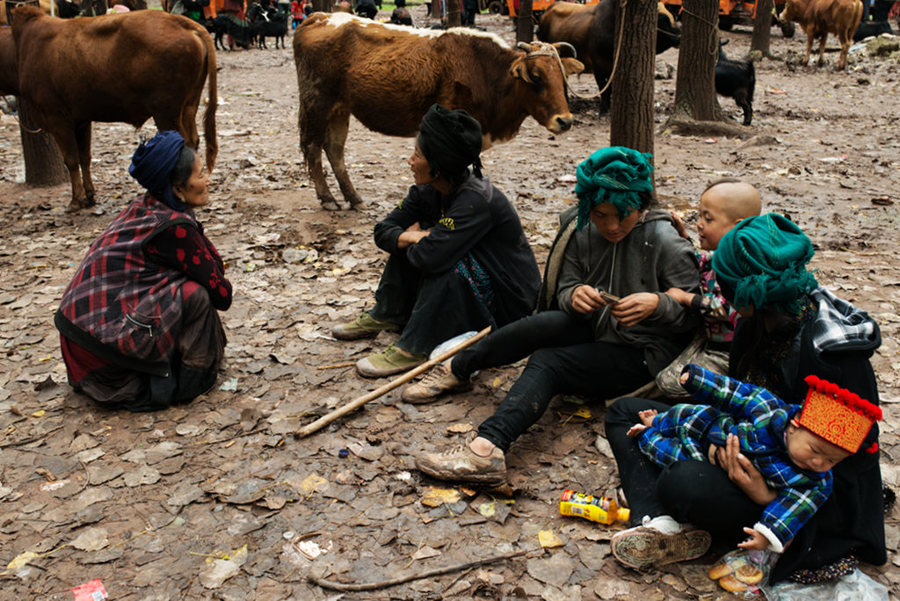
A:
[(388, 76)]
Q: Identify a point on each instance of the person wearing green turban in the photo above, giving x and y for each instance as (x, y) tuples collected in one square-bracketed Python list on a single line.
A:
[(790, 328), (586, 342)]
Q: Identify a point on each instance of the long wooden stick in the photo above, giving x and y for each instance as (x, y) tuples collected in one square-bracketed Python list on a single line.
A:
[(371, 586), (360, 401)]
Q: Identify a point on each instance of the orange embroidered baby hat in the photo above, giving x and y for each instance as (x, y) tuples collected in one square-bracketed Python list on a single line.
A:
[(837, 415)]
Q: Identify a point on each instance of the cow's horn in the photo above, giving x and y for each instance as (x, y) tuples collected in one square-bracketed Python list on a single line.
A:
[(566, 45), (524, 46)]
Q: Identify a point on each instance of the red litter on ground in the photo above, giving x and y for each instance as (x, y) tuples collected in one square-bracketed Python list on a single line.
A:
[(90, 591)]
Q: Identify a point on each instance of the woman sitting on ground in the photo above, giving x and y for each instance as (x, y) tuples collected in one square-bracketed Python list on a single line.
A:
[(459, 259), (791, 328), (138, 322)]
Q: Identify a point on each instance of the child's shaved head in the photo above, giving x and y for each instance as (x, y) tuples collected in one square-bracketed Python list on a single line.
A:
[(737, 199)]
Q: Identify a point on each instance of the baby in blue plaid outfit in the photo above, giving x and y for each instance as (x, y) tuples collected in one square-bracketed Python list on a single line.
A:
[(795, 462)]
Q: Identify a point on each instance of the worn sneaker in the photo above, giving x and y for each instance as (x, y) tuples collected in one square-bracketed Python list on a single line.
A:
[(643, 547), (364, 326), (461, 464), (388, 362), (435, 383)]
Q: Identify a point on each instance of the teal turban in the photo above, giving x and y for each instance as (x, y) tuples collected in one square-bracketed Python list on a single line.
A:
[(762, 262), (616, 175)]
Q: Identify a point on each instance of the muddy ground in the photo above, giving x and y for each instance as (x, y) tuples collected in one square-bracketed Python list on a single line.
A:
[(218, 499)]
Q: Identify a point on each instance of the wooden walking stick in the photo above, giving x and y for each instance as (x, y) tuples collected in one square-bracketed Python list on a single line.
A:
[(370, 396)]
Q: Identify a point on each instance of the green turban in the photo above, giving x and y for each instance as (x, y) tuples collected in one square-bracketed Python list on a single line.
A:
[(616, 175), (762, 262)]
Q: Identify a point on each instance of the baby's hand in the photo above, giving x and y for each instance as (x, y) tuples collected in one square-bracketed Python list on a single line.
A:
[(635, 430), (756, 540), (647, 416)]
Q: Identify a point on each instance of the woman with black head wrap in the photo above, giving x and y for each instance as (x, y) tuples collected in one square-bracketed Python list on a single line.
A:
[(459, 259), (138, 322)]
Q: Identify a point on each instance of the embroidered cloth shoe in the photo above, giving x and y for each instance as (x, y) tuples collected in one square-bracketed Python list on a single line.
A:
[(643, 547), (364, 326), (435, 383), (461, 464), (388, 362)]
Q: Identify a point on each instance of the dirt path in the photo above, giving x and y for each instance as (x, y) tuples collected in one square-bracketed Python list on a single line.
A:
[(218, 500)]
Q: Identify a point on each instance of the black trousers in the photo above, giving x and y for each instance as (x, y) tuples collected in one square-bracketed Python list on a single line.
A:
[(431, 309), (564, 360), (693, 492)]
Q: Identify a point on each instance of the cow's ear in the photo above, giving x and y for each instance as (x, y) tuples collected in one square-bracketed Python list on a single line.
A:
[(572, 66), (519, 70)]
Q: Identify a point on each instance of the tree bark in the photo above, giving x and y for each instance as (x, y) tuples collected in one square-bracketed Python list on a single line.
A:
[(695, 85), (454, 16), (631, 113), (43, 162), (762, 27), (525, 22), (322, 6)]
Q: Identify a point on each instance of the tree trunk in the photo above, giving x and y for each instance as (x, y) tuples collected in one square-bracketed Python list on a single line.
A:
[(631, 114), (695, 86), (43, 162), (454, 16), (762, 27), (322, 6), (524, 22)]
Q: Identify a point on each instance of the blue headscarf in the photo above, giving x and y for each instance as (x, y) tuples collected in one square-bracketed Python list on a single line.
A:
[(616, 175), (152, 166)]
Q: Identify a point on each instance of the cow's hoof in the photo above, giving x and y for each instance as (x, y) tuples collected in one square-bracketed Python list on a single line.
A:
[(356, 205), (331, 205)]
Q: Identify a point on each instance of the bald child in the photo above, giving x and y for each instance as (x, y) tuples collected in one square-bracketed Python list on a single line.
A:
[(723, 204)]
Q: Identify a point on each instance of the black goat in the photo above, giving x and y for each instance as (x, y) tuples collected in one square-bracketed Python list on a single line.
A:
[(736, 79)]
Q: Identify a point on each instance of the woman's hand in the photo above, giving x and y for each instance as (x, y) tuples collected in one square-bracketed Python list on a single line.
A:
[(755, 540), (635, 308), (586, 299), (743, 473), (682, 297), (412, 235)]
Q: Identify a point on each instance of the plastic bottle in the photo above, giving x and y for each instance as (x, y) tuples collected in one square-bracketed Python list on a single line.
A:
[(596, 509)]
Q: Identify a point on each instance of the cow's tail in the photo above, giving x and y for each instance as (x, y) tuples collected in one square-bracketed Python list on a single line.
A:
[(209, 117)]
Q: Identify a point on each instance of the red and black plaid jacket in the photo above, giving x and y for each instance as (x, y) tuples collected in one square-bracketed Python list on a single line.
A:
[(122, 305)]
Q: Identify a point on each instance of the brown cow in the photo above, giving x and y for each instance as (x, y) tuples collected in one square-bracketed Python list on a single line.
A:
[(818, 18), (114, 68), (387, 76), (9, 78), (591, 30)]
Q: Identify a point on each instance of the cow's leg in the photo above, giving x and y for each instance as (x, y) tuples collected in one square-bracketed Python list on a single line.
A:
[(64, 135), (339, 124), (312, 134), (822, 39), (845, 49), (83, 138), (809, 42)]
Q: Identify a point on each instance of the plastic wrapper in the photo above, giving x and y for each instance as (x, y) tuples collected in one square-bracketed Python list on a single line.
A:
[(744, 572), (853, 587)]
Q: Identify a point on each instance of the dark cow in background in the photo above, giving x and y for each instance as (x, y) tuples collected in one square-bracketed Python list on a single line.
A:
[(267, 22), (591, 30), (115, 68), (818, 18), (388, 77), (239, 32), (736, 79)]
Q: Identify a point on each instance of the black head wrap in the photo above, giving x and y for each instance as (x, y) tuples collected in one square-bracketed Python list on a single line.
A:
[(450, 141)]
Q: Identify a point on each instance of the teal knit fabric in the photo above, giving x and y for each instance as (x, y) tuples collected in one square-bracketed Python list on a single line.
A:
[(762, 261), (615, 175)]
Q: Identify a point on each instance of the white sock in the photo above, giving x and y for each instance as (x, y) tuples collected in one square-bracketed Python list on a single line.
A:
[(662, 523)]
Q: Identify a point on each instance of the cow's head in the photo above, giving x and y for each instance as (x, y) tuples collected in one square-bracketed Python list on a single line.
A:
[(542, 69), (790, 12)]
